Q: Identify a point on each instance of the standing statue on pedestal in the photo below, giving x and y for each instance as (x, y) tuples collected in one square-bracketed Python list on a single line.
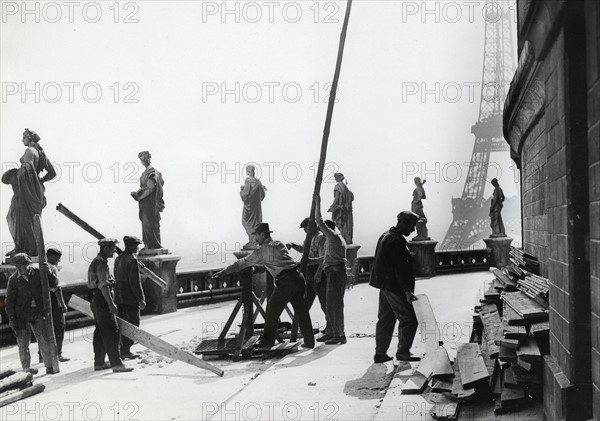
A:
[(151, 203), (417, 207), (495, 211), (252, 194), (341, 208), (28, 188)]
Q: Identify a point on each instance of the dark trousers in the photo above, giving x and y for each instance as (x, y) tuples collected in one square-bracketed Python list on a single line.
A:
[(106, 334), (58, 322), (317, 289), (24, 339), (392, 307), (336, 286), (290, 288), (130, 314)]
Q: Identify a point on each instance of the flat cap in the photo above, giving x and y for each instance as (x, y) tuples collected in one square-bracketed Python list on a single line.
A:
[(408, 215), (107, 242), (20, 259), (130, 239), (53, 251), (304, 223)]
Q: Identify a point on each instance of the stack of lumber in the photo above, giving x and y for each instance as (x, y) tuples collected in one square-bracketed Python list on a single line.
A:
[(514, 333), (15, 386), (524, 260)]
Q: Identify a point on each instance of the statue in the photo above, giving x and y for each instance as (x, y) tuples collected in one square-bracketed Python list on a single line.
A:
[(417, 207), (496, 211), (151, 203), (252, 194), (341, 208), (28, 198)]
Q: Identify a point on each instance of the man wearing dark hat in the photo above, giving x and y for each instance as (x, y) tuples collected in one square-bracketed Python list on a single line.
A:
[(318, 289), (129, 295), (106, 334), (392, 274), (25, 309), (59, 308), (290, 286)]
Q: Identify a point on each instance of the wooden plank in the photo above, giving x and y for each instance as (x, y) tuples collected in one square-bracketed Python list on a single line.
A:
[(146, 339), (529, 351), (471, 365), (428, 327), (21, 394), (443, 385), (540, 328), (444, 408), (507, 355), (524, 364), (6, 373), (509, 379), (504, 278), (415, 385), (524, 306), (511, 317), (514, 332), (493, 331), (15, 381), (497, 383), (457, 387), (508, 343), (436, 362)]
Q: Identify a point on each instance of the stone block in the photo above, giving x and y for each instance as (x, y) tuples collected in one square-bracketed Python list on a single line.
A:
[(161, 300), (424, 257)]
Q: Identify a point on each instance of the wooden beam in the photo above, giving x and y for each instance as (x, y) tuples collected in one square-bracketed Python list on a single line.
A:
[(146, 339), (428, 327), (21, 394), (15, 381)]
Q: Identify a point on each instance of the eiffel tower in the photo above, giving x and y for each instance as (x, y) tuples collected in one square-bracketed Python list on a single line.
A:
[(471, 211)]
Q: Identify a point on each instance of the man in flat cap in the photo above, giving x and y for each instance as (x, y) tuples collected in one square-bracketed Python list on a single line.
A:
[(59, 307), (290, 286), (129, 295), (106, 334), (392, 274), (25, 309)]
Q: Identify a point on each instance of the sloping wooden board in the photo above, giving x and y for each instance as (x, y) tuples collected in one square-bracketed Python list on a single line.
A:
[(428, 327), (508, 343), (529, 351), (146, 339), (436, 362), (525, 306), (471, 365), (415, 385), (514, 332), (511, 317), (457, 387)]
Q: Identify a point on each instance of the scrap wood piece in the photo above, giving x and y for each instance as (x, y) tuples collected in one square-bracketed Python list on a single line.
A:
[(471, 365), (21, 394), (6, 373), (514, 331), (493, 330), (457, 387), (444, 408), (428, 327), (524, 364), (436, 363), (509, 379), (524, 306), (508, 343), (443, 385), (529, 351), (497, 380), (524, 378), (540, 329), (507, 355), (504, 278), (512, 317), (416, 384), (15, 381), (146, 339)]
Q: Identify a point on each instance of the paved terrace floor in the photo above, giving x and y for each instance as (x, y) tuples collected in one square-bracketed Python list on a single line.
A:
[(329, 382)]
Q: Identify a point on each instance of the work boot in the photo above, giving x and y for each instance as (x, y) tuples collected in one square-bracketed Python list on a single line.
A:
[(121, 368), (104, 366), (409, 357), (50, 370), (324, 338), (381, 358), (334, 340), (63, 359), (31, 370)]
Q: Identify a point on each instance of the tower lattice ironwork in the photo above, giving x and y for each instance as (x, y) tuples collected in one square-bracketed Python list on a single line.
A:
[(470, 213)]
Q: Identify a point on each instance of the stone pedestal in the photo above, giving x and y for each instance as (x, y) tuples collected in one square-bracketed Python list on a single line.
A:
[(424, 255), (500, 250), (352, 263), (158, 300)]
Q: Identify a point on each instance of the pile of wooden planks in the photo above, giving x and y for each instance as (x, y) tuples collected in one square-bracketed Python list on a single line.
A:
[(524, 260), (513, 332), (15, 386)]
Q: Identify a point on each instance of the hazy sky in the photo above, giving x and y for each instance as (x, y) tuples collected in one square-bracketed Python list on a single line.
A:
[(208, 87)]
